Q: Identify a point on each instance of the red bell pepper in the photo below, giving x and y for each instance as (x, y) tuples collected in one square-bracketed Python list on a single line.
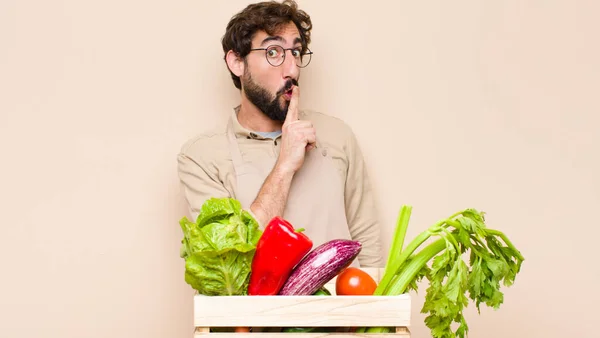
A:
[(278, 250)]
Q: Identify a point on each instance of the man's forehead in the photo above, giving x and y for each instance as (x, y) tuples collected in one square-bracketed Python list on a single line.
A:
[(287, 34)]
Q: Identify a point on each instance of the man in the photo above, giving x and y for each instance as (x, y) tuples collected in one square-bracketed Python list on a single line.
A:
[(275, 159)]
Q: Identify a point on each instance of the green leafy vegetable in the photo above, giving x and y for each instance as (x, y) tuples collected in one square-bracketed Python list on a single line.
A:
[(218, 248), (493, 260)]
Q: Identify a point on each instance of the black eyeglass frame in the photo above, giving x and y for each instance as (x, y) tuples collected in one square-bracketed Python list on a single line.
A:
[(309, 53)]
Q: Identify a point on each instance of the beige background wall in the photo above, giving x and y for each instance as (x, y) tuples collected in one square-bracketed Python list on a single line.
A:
[(485, 104)]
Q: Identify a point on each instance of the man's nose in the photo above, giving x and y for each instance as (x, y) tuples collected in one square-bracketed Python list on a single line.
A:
[(290, 68)]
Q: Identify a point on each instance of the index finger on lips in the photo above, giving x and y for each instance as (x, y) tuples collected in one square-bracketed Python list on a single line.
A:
[(292, 113)]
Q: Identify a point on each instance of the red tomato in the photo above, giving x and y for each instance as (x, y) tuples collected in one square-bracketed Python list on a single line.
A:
[(353, 282)]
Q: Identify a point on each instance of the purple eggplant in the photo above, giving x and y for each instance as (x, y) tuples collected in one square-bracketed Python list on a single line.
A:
[(319, 266)]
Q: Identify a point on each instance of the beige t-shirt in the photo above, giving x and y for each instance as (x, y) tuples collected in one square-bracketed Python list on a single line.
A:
[(206, 170)]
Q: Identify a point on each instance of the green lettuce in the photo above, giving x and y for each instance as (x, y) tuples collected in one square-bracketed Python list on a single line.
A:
[(218, 248)]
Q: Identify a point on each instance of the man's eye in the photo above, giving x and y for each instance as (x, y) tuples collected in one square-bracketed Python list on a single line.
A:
[(297, 53), (272, 53)]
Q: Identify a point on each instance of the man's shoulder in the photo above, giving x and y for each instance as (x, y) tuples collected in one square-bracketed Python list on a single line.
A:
[(206, 145), (327, 121)]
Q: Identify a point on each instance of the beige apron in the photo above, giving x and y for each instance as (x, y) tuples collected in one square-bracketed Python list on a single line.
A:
[(316, 198)]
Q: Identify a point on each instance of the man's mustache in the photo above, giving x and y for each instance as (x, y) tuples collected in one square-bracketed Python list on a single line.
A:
[(288, 85)]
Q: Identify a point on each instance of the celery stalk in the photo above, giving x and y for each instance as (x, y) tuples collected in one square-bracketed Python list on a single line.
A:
[(399, 234), (397, 256), (392, 269), (411, 270)]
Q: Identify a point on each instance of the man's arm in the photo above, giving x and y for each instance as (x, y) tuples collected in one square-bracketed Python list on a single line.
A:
[(272, 196), (297, 138), (361, 211)]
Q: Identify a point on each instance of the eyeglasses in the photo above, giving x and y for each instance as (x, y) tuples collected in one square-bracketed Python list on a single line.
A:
[(276, 55)]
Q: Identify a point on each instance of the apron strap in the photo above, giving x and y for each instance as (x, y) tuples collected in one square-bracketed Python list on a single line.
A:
[(234, 149)]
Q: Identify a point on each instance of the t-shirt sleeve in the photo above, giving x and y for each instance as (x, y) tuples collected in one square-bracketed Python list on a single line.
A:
[(199, 182), (361, 212)]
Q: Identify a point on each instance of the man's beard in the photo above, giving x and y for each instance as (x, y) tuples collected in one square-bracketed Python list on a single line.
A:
[(261, 98)]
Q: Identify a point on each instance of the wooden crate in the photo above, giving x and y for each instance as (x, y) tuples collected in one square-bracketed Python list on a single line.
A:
[(303, 311)]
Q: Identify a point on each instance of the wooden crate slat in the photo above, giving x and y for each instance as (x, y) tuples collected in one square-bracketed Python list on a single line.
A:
[(405, 334), (291, 311)]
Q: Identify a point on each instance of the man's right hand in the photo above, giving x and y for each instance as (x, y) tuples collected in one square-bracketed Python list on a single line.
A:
[(297, 138)]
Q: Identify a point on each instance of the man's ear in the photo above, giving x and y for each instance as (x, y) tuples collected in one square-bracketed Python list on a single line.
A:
[(235, 63)]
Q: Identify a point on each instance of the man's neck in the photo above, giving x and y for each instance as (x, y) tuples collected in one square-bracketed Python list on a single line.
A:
[(251, 118)]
